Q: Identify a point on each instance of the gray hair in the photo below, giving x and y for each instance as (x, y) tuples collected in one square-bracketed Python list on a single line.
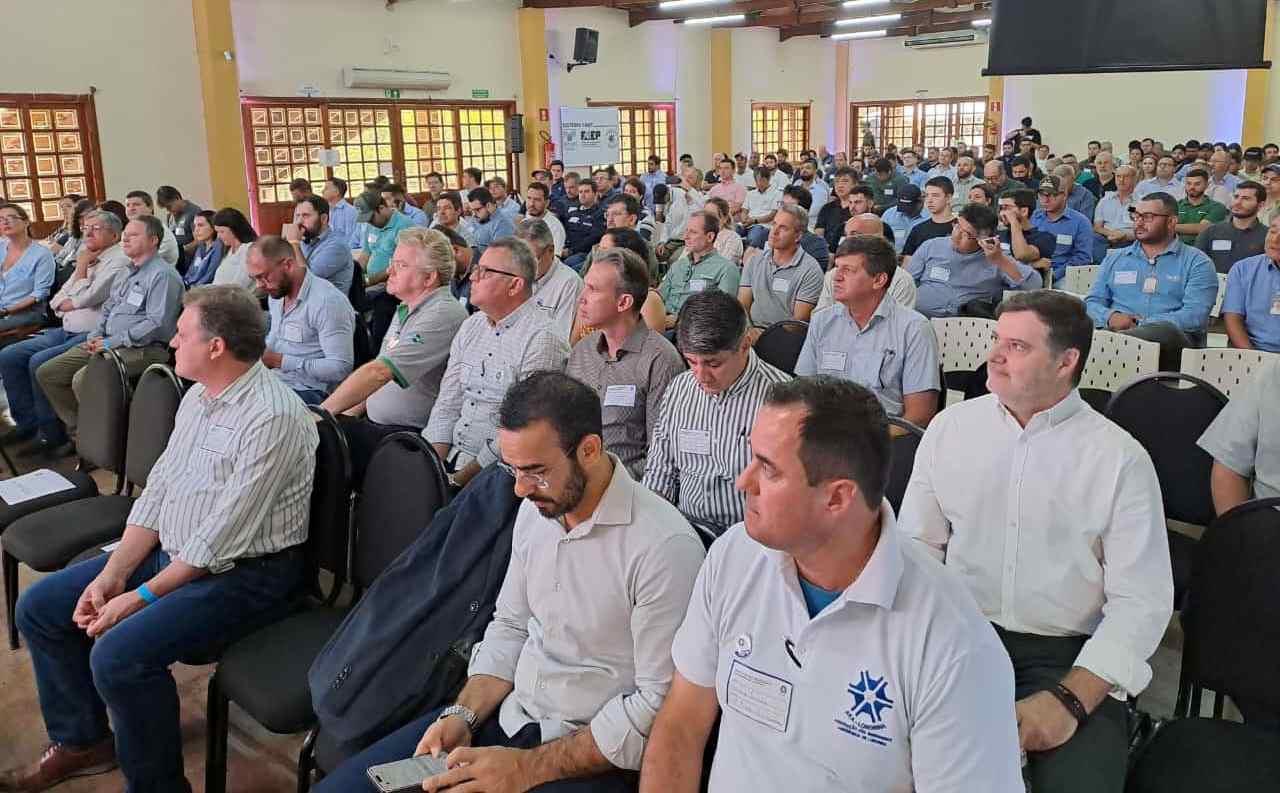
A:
[(434, 249), (153, 226), (108, 219), (231, 313), (1126, 169), (711, 322), (1066, 173), (521, 256), (537, 233), (798, 212)]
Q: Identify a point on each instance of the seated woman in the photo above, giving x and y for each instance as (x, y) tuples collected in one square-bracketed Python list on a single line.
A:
[(235, 233), (728, 243), (208, 253), (653, 311), (66, 207), (26, 273)]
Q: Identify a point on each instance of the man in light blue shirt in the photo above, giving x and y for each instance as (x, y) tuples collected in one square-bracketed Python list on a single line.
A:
[(1251, 307), (1072, 230), (395, 194), (320, 249), (310, 341), (342, 215), (913, 174), (819, 192), (866, 336), (488, 223), (652, 177), (968, 265), (505, 202), (1159, 288), (905, 215), (1162, 182), (1079, 197)]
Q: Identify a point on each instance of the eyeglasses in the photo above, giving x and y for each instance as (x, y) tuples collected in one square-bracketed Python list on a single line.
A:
[(537, 480), (11, 219), (92, 229), (481, 273), (1147, 217)]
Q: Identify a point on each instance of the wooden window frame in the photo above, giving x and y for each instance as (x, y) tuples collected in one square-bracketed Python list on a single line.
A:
[(91, 148), (673, 153), (393, 106), (918, 121), (807, 143)]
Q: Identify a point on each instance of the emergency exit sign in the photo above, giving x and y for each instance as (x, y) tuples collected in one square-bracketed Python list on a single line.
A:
[(479, 93), (391, 93)]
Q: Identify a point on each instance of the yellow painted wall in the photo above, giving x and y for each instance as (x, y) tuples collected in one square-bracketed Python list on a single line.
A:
[(220, 97)]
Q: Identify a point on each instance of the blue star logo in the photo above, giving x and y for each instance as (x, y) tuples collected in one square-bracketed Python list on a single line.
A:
[(870, 697)]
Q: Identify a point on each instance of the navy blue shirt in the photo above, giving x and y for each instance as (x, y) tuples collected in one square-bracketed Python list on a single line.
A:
[(584, 228)]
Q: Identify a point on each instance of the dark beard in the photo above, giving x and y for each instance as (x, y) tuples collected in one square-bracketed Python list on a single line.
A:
[(574, 490), (308, 236)]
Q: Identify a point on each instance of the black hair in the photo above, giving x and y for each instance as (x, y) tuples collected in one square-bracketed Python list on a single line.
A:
[(570, 406)]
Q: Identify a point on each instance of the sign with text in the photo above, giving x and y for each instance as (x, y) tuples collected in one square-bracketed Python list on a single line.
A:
[(589, 135)]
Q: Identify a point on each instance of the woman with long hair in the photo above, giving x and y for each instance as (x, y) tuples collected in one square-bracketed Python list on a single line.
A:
[(235, 234), (26, 272), (208, 252)]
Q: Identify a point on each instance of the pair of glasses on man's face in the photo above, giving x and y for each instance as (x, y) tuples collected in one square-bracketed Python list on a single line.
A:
[(1147, 217)]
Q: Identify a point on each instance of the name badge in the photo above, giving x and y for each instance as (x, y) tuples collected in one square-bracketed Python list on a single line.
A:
[(938, 273), (292, 332), (1126, 278), (888, 191), (1222, 245), (1149, 285), (1275, 305), (1065, 239), (134, 298), (781, 284), (373, 239), (759, 696), (623, 396), (179, 232), (217, 439), (1006, 247), (694, 441), (697, 284), (834, 360)]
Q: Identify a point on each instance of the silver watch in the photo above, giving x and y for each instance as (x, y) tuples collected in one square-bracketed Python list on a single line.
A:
[(468, 715)]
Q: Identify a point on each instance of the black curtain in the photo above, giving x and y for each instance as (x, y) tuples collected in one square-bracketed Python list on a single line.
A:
[(1040, 37)]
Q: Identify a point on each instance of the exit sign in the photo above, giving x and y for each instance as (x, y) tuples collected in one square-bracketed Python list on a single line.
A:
[(479, 93), (391, 93)]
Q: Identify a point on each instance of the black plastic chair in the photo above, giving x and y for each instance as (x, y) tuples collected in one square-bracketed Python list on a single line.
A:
[(265, 673), (902, 461), (707, 531), (781, 342), (52, 538), (1231, 622), (973, 384), (1167, 412)]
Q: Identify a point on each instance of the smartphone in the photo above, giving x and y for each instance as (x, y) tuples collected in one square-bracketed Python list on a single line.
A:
[(406, 774)]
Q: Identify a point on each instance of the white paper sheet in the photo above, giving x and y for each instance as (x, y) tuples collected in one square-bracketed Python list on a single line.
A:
[(33, 485)]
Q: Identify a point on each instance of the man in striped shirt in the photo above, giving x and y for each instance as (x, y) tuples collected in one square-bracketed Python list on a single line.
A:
[(211, 549), (700, 443)]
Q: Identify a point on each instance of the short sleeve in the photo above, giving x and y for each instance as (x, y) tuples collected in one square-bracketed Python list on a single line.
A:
[(695, 649), (810, 288)]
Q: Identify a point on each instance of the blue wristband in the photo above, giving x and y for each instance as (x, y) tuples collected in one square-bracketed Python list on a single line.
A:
[(146, 594), (106, 343)]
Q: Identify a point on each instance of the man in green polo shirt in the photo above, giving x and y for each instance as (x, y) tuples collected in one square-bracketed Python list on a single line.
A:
[(1197, 211), (699, 269), (385, 224), (885, 183)]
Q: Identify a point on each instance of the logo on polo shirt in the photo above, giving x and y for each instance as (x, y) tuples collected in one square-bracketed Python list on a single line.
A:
[(865, 719)]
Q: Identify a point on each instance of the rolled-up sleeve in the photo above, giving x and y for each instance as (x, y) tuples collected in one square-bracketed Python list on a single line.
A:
[(664, 581)]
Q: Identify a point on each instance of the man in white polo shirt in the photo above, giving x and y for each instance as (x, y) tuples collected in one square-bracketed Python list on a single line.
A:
[(840, 657)]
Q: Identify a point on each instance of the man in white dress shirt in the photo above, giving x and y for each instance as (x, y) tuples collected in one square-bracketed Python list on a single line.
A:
[(1053, 517)]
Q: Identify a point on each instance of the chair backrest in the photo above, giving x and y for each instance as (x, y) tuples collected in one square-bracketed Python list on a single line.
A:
[(329, 526), (151, 417), (902, 458), (103, 418), (1226, 369), (361, 344), (1167, 413), (404, 485), (1116, 359), (975, 385), (707, 531), (963, 342), (781, 342), (1079, 280), (1216, 311), (1231, 619)]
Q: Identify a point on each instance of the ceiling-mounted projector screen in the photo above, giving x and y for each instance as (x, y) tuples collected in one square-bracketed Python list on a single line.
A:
[(1083, 36)]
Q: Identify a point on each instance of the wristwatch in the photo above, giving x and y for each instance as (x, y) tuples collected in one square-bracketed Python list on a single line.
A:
[(468, 715)]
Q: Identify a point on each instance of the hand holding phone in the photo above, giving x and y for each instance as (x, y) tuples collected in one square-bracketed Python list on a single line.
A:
[(404, 775)]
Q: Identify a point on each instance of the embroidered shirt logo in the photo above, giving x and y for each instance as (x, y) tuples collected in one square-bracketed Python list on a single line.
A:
[(865, 719)]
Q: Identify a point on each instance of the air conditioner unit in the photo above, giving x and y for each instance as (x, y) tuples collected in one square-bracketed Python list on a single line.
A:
[(405, 79), (959, 38)]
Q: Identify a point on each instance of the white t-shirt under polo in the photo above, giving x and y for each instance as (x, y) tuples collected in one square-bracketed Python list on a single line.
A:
[(898, 685)]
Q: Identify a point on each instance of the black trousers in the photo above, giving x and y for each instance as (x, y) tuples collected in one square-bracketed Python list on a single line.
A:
[(1096, 757)]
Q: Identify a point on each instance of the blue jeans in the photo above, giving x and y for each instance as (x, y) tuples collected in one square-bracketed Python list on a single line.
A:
[(350, 777), (757, 237), (311, 396), (126, 670), (576, 261), (18, 364)]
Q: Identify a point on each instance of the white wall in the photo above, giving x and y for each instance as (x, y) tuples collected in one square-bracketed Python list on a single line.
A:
[(285, 44), (798, 70), (652, 62), (143, 63), (884, 69)]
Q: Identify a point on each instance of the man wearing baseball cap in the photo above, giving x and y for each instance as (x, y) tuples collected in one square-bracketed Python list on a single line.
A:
[(905, 215), (1072, 231), (1251, 168)]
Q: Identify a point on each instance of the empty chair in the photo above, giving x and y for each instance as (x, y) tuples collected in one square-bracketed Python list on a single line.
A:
[(1115, 359), (1225, 369), (781, 342), (902, 460), (1079, 279)]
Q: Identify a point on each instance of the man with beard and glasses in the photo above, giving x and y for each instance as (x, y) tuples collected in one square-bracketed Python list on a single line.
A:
[(319, 248), (564, 689), (310, 342)]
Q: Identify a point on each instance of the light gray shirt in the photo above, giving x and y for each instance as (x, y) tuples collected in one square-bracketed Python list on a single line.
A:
[(89, 293), (235, 479), (776, 287), (144, 306), (585, 618), (946, 280), (415, 349), (329, 256), (556, 294), (894, 355), (484, 360), (1245, 436), (1114, 213), (314, 336)]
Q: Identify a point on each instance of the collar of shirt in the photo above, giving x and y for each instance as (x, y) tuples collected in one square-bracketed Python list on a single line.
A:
[(634, 342), (614, 508), (1174, 249), (792, 262), (883, 309), (744, 379), (303, 294), (239, 388), (1045, 420), (514, 318)]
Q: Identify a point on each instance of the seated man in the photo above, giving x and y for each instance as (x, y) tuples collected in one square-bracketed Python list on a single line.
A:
[(622, 211), (312, 323), (137, 204), (1113, 219), (625, 361), (869, 338), (1250, 308), (963, 179), (555, 285), (138, 320), (902, 287), (507, 339), (901, 218), (1244, 441), (449, 216), (211, 547), (699, 268), (396, 195), (1159, 288), (886, 184), (699, 445), (100, 261), (899, 686), (784, 282), (396, 390), (1163, 182), (758, 210), (385, 223), (576, 663), (1241, 235), (813, 244), (319, 248), (537, 207), (1019, 238), (968, 266), (1197, 211), (1052, 515), (940, 223), (487, 222), (584, 226), (497, 187), (1072, 231)]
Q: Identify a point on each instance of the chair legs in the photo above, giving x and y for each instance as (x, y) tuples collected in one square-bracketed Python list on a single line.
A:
[(215, 769), (10, 564), (307, 760)]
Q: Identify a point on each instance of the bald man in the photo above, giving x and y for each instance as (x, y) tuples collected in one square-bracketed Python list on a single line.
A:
[(902, 287)]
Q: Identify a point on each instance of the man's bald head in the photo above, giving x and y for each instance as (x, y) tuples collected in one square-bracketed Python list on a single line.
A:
[(866, 223)]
